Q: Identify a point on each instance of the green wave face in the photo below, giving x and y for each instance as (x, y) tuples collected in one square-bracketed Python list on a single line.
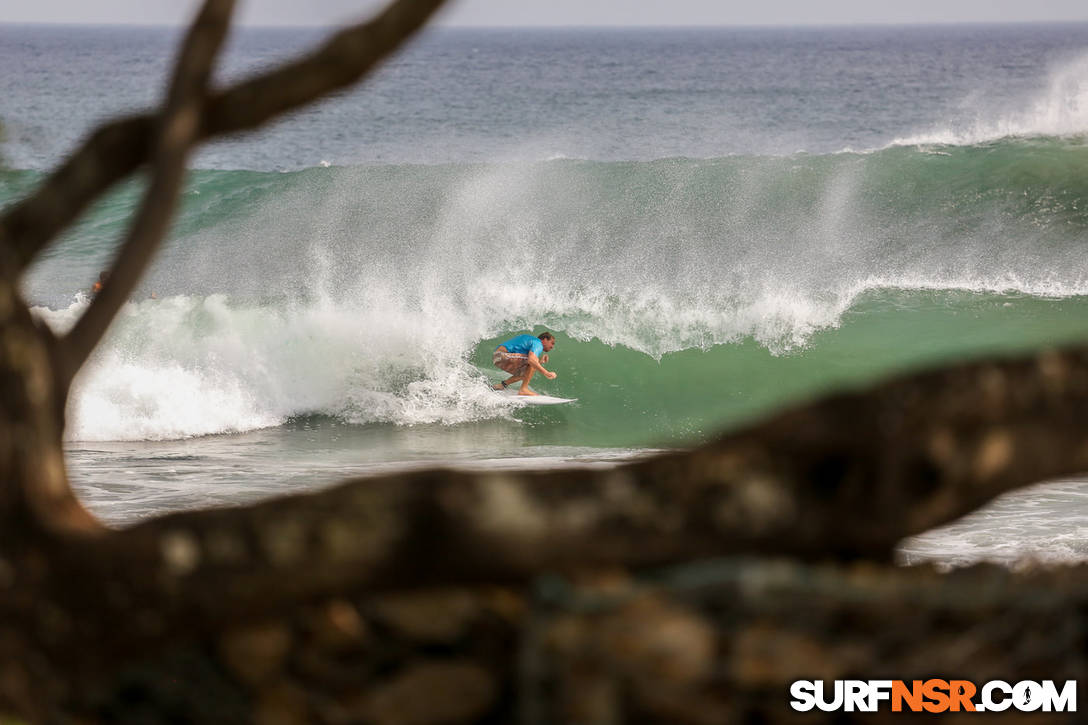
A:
[(688, 294)]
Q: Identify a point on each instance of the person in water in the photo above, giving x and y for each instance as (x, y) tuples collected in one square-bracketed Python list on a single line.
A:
[(522, 357), (105, 275)]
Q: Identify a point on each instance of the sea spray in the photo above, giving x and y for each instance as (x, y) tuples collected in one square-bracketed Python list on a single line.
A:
[(1058, 110)]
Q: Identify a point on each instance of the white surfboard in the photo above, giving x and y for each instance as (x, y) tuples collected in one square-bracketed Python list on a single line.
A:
[(512, 394)]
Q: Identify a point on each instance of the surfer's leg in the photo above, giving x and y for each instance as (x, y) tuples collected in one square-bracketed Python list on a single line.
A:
[(525, 383), (506, 383)]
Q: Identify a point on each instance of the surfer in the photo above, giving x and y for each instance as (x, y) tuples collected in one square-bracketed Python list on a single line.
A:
[(522, 356)]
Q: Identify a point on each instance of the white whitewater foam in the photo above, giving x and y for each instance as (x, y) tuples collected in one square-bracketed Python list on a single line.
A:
[(1040, 525), (188, 366), (184, 366)]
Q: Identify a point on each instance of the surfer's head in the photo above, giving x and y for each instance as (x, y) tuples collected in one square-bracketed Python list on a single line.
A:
[(548, 340)]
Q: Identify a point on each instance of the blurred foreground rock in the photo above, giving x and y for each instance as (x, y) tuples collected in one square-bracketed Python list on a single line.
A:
[(715, 642)]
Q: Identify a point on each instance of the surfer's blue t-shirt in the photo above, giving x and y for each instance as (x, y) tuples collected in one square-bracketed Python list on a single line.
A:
[(523, 345)]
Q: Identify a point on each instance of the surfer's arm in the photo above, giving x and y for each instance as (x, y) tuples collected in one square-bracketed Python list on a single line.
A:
[(534, 363)]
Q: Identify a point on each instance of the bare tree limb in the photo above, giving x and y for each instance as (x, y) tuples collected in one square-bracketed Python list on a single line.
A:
[(846, 477), (178, 130), (117, 149)]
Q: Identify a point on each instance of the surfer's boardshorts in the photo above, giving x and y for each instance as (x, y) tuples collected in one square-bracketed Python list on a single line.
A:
[(511, 362)]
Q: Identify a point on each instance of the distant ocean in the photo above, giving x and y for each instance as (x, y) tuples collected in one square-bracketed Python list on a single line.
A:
[(715, 223)]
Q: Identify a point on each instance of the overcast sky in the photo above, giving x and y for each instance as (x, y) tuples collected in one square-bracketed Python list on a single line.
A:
[(571, 12)]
